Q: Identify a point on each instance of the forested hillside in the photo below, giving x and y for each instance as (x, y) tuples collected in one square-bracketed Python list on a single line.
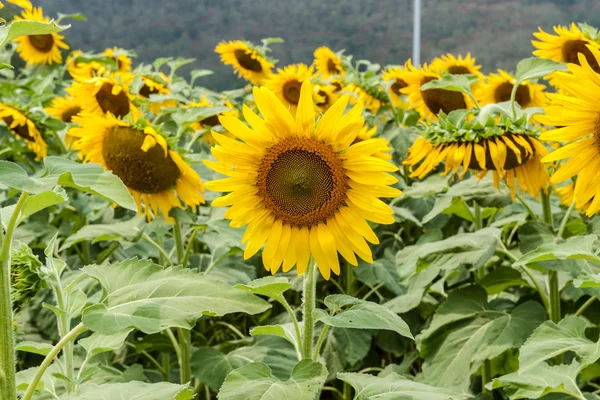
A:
[(497, 32)]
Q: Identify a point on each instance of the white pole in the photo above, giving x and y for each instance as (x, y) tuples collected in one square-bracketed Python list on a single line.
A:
[(416, 57)]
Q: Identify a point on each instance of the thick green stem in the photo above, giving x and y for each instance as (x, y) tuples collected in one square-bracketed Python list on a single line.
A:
[(309, 302), (185, 339), (178, 240), (289, 310), (585, 305), (554, 295), (547, 210), (486, 374), (563, 224), (477, 216), (8, 390), (66, 339)]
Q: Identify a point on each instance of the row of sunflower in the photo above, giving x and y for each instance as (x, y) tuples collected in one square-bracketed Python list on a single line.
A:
[(305, 171)]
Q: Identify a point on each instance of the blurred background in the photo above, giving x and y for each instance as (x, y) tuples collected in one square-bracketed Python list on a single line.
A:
[(497, 32)]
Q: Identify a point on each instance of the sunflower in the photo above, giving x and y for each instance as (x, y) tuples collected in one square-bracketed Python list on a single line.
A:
[(103, 95), (372, 97), (25, 129), (120, 57), (456, 65), (498, 87), (39, 49), (247, 61), (154, 174), (565, 46), (302, 187), (26, 4), (286, 84), (577, 115), (210, 121), (508, 150), (325, 96), (153, 85), (64, 108), (367, 133), (327, 62), (397, 75), (429, 103), (83, 70)]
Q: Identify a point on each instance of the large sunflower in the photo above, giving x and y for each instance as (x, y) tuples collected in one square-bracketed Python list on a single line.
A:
[(508, 150), (154, 174), (577, 114), (103, 95), (25, 129), (123, 62), (565, 46), (498, 87), (246, 60), (302, 187), (156, 85), (286, 83), (39, 49), (327, 62), (210, 121)]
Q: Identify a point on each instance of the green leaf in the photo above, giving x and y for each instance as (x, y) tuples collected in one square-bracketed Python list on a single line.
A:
[(142, 295), (256, 382), (187, 116), (212, 367), (395, 387), (127, 230), (345, 348), (535, 68), (97, 343), (34, 347), (466, 330), (269, 286), (367, 315), (540, 381), (286, 331), (575, 248), (550, 340), (454, 83), (27, 27), (501, 279), (132, 391), (38, 202)]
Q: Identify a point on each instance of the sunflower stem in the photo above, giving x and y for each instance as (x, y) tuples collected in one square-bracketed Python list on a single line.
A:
[(289, 310), (563, 224), (310, 288), (477, 216), (486, 375), (8, 389), (178, 240), (546, 208), (185, 335)]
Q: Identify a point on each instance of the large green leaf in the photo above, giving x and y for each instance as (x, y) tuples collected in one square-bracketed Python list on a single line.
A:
[(97, 343), (345, 348), (454, 83), (142, 295), (132, 391), (535, 68), (501, 279), (127, 230), (580, 247), (466, 330), (286, 331), (256, 382), (23, 27), (269, 286), (211, 366), (395, 387), (551, 339)]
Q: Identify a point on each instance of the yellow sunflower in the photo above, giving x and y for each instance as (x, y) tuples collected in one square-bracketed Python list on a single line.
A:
[(152, 85), (325, 96), (576, 113), (39, 49), (103, 95), (302, 187), (327, 62), (498, 87), (64, 108), (246, 61), (430, 102), (154, 174), (565, 46), (456, 65), (397, 75), (120, 57), (367, 133), (210, 121), (25, 129), (286, 84), (26, 4), (371, 97)]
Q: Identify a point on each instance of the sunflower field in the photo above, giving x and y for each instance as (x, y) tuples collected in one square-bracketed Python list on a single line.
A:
[(336, 231)]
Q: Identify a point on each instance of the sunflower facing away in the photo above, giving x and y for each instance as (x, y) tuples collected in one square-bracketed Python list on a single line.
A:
[(507, 150), (245, 60), (210, 121), (373, 97), (577, 115), (497, 89), (327, 62), (39, 49), (24, 128), (286, 84), (302, 187), (154, 174), (102, 95)]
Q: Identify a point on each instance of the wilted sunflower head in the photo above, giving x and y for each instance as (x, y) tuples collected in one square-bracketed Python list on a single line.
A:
[(497, 89), (155, 174), (247, 61), (120, 57), (286, 84), (212, 121), (39, 49), (24, 128), (507, 148), (301, 186), (25, 279), (106, 95), (327, 63)]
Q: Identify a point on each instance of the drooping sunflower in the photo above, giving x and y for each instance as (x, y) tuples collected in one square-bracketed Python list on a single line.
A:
[(64, 108), (507, 148), (25, 129), (325, 96), (497, 88), (156, 176), (302, 187), (576, 112), (565, 46), (286, 83), (210, 121), (456, 65), (123, 62), (39, 49), (246, 60), (397, 75), (429, 103), (103, 95), (156, 85), (373, 97), (327, 62)]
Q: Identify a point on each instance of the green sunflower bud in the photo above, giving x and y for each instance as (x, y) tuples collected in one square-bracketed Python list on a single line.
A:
[(25, 279)]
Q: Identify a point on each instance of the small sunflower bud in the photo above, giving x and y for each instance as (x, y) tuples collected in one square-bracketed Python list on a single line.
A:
[(25, 279)]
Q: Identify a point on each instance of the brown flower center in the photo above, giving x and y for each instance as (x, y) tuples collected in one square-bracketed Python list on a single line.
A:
[(144, 171), (211, 121), (398, 85), (511, 161), (302, 181), (438, 100), (458, 70), (146, 91), (291, 91), (245, 59), (572, 48), (325, 97), (20, 130), (332, 68), (503, 91), (337, 85), (42, 43), (69, 113), (117, 104)]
